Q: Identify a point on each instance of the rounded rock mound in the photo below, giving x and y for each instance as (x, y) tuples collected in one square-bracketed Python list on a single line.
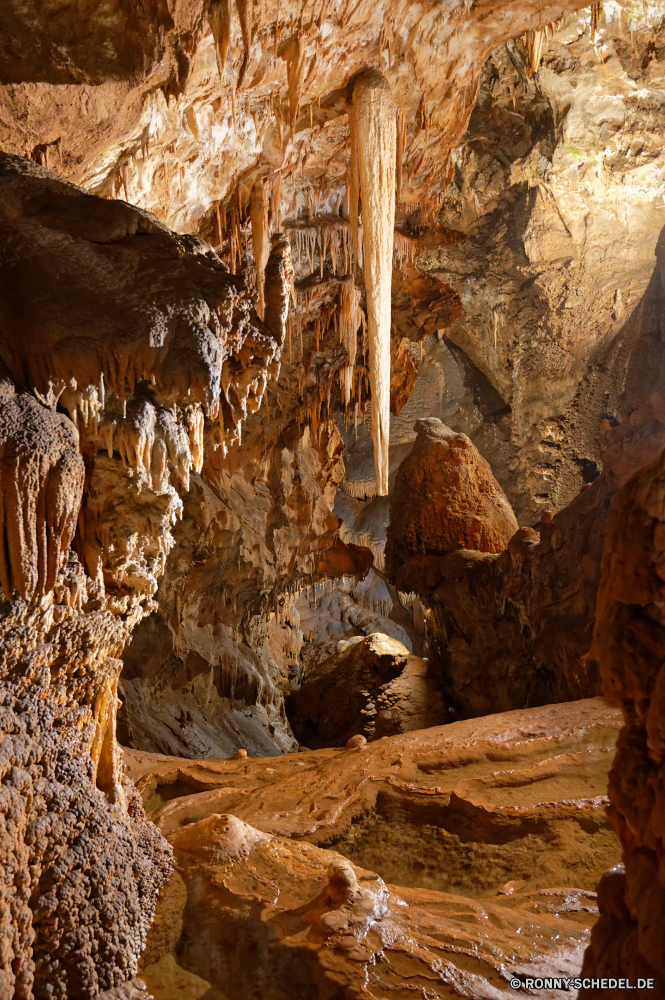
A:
[(445, 498)]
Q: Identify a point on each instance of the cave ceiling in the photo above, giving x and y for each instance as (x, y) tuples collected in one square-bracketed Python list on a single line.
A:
[(177, 106)]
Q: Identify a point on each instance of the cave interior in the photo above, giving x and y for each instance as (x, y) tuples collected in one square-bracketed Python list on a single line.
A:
[(332, 499)]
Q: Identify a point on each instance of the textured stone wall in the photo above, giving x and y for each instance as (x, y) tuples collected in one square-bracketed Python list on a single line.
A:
[(629, 645)]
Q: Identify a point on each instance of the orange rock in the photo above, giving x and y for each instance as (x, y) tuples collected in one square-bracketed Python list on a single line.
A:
[(445, 498), (628, 644), (356, 741), (361, 872)]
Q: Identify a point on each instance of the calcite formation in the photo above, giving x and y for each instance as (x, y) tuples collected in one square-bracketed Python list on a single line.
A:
[(515, 628), (350, 836), (373, 686), (372, 177), (126, 351), (445, 498), (265, 472), (627, 644)]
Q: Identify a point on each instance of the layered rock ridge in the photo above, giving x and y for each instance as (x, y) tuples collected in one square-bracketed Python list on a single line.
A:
[(445, 860)]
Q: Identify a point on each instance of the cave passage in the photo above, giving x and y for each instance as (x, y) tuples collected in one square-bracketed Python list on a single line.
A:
[(332, 500)]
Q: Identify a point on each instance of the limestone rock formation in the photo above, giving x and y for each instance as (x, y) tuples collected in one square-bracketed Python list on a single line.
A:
[(628, 643), (445, 498), (515, 629), (554, 276), (371, 686), (468, 823), (123, 347), (417, 260)]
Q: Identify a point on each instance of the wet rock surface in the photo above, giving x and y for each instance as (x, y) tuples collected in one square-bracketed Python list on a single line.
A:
[(501, 818)]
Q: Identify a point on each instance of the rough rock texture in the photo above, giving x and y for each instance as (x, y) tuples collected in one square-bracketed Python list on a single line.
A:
[(628, 644), (124, 349), (247, 534), (81, 866), (525, 619), (445, 498), (514, 629), (557, 188), (372, 686), (473, 821), (176, 86)]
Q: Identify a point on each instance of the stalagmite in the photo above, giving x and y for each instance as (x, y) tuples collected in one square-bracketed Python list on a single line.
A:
[(258, 213), (374, 151)]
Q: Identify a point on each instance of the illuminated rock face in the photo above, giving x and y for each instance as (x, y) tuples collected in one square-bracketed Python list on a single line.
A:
[(445, 498), (126, 352), (476, 826), (177, 413)]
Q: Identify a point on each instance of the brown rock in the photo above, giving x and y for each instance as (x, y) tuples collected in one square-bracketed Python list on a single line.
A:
[(371, 687), (628, 643), (515, 629), (445, 498), (476, 826), (356, 741), (534, 779)]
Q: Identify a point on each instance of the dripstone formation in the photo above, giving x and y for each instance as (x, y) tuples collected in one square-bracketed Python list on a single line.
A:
[(332, 417)]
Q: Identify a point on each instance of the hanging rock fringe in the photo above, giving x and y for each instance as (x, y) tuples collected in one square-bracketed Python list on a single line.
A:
[(533, 44), (219, 18), (374, 153)]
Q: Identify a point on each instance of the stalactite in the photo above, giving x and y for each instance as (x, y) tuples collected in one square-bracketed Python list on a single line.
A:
[(350, 318), (353, 194), (276, 201), (219, 18), (278, 284), (533, 44), (401, 142), (294, 54), (244, 8), (258, 213), (405, 248), (374, 150)]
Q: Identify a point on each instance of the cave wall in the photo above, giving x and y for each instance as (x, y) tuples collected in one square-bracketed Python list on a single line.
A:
[(125, 352)]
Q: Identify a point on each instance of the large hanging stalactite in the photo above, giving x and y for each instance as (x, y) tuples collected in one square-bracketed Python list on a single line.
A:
[(258, 213), (373, 155)]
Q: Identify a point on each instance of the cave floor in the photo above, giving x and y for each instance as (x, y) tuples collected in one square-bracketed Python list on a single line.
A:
[(473, 851)]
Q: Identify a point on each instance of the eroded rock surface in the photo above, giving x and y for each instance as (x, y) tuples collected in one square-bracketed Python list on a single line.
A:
[(371, 686), (445, 498), (124, 349), (482, 819), (628, 643)]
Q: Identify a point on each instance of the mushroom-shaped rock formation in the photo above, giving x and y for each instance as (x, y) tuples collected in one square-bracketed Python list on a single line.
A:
[(445, 498)]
